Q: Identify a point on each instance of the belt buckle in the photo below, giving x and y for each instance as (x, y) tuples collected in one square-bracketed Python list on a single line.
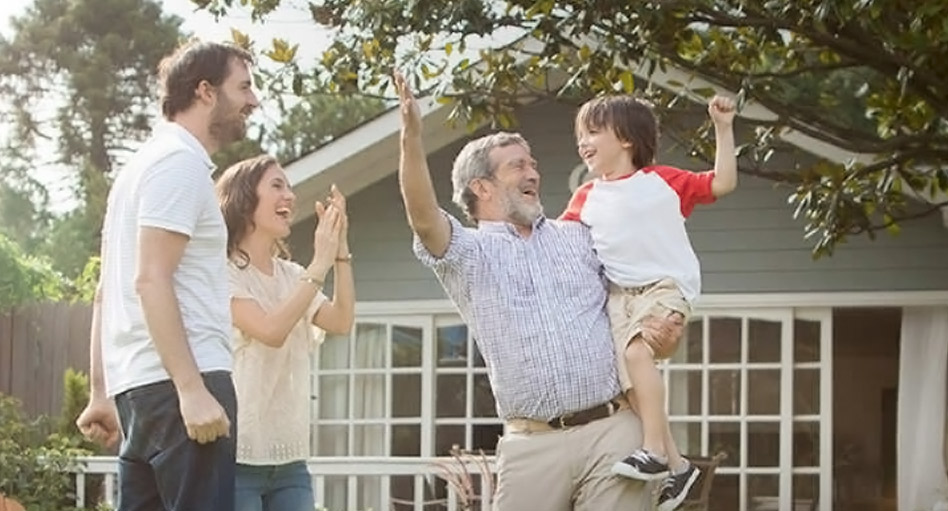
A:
[(561, 420)]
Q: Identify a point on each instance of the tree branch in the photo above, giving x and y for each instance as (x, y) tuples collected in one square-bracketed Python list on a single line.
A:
[(896, 220)]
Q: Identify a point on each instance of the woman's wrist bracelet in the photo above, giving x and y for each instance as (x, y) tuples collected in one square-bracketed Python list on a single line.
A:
[(312, 280)]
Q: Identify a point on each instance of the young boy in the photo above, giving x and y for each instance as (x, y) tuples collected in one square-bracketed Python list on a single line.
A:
[(636, 212)]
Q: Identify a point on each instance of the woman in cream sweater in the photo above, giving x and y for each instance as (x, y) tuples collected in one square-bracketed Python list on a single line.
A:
[(275, 304)]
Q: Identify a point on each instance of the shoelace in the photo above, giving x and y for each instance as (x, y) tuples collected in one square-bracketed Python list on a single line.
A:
[(642, 456), (667, 484)]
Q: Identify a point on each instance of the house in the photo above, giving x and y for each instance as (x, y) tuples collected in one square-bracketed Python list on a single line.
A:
[(802, 371)]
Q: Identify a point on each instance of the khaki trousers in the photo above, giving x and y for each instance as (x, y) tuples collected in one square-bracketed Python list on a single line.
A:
[(571, 469)]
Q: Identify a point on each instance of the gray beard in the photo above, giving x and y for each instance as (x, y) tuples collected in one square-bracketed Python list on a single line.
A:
[(520, 213)]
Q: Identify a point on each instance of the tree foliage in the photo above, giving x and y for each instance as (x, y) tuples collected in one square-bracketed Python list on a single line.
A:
[(25, 279), (866, 76), (78, 80), (304, 125)]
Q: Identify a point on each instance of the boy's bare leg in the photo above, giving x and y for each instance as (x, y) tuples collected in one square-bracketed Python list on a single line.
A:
[(675, 461), (649, 391)]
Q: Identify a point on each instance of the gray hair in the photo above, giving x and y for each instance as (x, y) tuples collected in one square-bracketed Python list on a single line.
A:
[(473, 162)]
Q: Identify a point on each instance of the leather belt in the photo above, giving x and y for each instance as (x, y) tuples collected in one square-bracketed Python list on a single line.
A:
[(571, 420)]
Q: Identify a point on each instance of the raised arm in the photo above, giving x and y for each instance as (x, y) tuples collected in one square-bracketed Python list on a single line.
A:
[(414, 178), (722, 111), (337, 315), (272, 327)]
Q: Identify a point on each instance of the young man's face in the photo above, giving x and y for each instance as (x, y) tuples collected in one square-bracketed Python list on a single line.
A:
[(603, 152), (235, 102)]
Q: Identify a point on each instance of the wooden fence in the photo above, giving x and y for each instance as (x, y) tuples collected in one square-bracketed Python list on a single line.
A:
[(37, 344)]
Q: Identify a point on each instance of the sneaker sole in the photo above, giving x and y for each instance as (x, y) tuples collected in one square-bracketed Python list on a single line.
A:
[(625, 470), (672, 504)]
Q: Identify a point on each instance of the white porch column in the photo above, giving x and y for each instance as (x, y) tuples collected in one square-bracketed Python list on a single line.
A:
[(923, 364)]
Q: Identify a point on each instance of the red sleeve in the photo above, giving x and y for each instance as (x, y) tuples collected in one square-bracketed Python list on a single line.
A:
[(693, 188), (574, 209)]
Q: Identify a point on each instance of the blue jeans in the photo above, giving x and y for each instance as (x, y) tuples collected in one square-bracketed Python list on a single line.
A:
[(160, 468), (287, 487)]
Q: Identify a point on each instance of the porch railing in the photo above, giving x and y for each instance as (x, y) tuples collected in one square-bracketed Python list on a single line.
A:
[(359, 483)]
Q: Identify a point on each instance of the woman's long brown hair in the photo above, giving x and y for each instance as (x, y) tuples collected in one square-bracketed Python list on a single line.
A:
[(237, 196)]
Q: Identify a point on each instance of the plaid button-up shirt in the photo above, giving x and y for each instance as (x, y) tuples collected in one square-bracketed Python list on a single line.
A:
[(536, 308)]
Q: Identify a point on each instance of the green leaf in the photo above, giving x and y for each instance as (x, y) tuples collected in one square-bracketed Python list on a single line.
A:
[(298, 84), (628, 81)]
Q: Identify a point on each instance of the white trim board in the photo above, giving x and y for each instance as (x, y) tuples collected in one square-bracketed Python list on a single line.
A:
[(712, 301)]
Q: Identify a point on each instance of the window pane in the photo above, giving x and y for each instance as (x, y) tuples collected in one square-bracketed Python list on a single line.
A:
[(806, 391), (332, 440), (763, 444), (452, 346), (406, 346), (369, 493), (478, 358), (368, 440), (763, 341), (406, 395), (486, 436), (763, 491), (406, 440), (725, 437), (691, 349), (806, 491), (484, 404), (369, 346), (806, 341), (446, 437), (336, 491), (725, 392), (451, 392), (725, 340), (687, 437), (369, 390), (763, 392), (334, 353), (724, 493), (684, 392), (806, 444), (333, 397), (402, 491)]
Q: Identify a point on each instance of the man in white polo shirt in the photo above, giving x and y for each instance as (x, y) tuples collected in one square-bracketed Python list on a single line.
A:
[(160, 340)]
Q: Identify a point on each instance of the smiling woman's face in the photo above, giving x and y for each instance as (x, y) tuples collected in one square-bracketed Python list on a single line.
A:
[(274, 214)]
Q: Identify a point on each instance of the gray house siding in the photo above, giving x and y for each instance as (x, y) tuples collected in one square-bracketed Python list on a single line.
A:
[(748, 242)]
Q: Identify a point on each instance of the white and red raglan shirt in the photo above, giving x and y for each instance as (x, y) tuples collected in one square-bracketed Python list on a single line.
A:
[(637, 224)]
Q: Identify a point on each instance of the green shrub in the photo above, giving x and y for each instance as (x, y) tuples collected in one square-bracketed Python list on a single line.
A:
[(36, 466)]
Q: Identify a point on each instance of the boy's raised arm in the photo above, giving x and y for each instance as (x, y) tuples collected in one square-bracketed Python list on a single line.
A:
[(722, 111)]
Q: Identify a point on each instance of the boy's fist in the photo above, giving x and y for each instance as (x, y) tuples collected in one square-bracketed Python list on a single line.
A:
[(722, 110)]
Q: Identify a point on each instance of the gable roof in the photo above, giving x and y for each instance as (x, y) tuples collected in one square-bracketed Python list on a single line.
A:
[(370, 152)]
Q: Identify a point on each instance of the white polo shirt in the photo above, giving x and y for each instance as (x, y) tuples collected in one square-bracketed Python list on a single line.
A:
[(637, 224), (166, 184)]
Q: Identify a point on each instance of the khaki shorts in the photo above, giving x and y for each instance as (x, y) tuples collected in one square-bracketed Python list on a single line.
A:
[(629, 306)]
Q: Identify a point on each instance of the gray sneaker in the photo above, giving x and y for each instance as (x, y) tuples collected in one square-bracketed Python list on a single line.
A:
[(675, 488), (641, 465)]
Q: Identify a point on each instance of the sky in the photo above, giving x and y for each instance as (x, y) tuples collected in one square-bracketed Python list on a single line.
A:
[(291, 21)]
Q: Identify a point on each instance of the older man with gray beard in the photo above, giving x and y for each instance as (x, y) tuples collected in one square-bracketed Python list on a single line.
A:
[(531, 291)]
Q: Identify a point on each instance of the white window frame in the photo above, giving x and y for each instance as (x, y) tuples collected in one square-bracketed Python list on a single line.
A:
[(805, 306)]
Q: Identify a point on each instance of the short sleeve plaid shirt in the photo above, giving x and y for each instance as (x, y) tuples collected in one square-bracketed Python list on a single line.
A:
[(536, 308)]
